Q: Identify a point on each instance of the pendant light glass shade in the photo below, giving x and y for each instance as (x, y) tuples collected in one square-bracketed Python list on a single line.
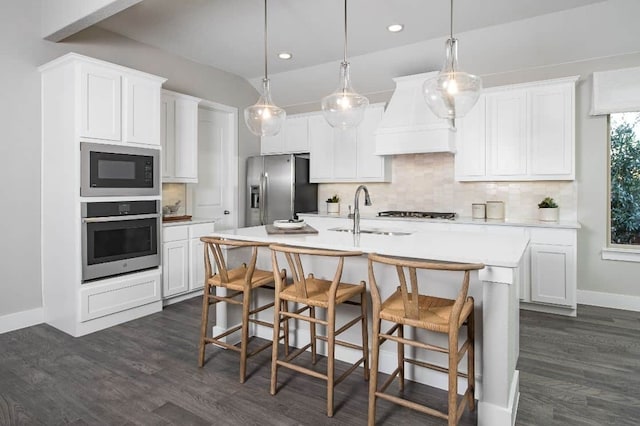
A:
[(452, 93), (264, 118), (344, 108)]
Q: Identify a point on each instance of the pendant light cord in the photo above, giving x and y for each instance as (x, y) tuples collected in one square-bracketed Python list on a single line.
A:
[(451, 18), (265, 39), (345, 31)]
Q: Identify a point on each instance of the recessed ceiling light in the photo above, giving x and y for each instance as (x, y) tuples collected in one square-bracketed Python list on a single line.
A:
[(394, 28), (285, 55)]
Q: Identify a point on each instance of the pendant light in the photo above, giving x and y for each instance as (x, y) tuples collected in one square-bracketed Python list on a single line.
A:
[(265, 118), (452, 93), (344, 108)]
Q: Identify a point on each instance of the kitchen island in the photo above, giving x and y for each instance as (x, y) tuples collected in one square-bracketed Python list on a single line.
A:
[(495, 289)]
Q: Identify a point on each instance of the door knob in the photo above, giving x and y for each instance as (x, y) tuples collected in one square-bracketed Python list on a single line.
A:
[(227, 212)]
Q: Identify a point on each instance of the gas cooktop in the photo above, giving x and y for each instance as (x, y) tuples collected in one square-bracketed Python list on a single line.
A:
[(421, 215)]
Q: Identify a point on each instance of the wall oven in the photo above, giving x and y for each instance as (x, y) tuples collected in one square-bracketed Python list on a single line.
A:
[(112, 170), (119, 237)]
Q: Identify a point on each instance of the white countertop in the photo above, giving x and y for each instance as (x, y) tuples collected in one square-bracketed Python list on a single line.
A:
[(193, 221), (453, 246), (462, 220)]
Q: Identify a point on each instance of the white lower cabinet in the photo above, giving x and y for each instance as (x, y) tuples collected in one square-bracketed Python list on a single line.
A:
[(550, 273), (183, 258)]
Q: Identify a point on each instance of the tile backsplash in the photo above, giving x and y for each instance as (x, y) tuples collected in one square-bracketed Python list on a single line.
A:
[(425, 182)]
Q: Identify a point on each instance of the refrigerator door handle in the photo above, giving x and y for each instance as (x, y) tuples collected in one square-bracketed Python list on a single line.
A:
[(265, 200)]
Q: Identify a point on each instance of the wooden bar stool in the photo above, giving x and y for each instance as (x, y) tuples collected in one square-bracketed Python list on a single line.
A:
[(406, 307), (312, 293), (241, 282)]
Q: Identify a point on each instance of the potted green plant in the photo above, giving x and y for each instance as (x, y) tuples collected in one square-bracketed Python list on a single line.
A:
[(333, 204), (548, 210)]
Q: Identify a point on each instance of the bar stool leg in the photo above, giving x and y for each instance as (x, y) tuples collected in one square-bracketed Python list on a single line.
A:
[(246, 307), (471, 367), (331, 339), (401, 356), (373, 378), (203, 325), (285, 327), (312, 331), (276, 334), (365, 334), (453, 378)]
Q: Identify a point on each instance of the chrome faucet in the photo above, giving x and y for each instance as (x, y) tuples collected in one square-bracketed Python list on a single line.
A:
[(356, 209)]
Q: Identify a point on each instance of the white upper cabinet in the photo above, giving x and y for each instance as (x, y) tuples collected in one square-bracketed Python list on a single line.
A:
[(552, 143), (100, 102), (347, 155), (471, 155), (179, 137), (292, 138), (118, 104), (141, 110), (520, 132), (506, 133)]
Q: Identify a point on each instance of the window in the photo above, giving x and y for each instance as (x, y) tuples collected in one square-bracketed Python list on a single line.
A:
[(624, 229)]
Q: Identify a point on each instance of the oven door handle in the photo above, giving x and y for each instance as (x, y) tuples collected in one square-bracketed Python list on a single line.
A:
[(119, 218)]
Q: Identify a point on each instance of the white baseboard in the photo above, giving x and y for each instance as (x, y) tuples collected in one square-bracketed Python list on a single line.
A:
[(21, 319), (609, 300)]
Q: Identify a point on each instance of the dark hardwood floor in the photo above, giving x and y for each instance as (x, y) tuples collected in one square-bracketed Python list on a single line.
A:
[(574, 371)]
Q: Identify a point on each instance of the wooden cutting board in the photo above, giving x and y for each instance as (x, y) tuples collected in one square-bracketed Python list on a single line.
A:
[(306, 230)]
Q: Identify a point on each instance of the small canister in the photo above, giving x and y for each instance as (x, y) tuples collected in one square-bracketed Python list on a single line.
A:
[(495, 210), (478, 210)]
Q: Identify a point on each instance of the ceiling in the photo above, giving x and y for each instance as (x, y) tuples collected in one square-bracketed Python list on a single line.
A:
[(496, 37), (228, 34)]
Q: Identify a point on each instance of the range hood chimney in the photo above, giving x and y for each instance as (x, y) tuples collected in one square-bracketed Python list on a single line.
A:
[(408, 126)]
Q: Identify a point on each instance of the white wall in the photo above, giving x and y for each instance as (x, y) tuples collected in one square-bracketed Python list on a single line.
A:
[(22, 50)]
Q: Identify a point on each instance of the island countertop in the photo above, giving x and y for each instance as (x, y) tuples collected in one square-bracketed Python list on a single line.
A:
[(452, 246)]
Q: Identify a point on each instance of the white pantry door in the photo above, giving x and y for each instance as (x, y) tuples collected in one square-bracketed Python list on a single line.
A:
[(216, 193)]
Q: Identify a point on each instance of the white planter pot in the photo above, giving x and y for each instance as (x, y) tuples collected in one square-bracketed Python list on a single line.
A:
[(333, 208), (548, 214)]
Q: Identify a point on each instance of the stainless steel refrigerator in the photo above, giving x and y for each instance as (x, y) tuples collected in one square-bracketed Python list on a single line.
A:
[(278, 188)]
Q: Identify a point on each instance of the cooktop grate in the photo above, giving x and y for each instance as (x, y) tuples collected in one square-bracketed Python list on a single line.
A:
[(422, 215)]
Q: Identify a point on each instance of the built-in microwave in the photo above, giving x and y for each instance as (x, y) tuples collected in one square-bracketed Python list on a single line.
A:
[(112, 170)]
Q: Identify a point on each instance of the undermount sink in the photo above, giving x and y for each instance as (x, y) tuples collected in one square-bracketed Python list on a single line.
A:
[(372, 231)]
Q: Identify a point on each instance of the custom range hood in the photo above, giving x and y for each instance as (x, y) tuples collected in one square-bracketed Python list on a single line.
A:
[(408, 126)]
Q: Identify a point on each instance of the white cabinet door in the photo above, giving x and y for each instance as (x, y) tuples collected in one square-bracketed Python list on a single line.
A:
[(175, 267), (321, 149), (142, 110), (470, 159), (168, 135), (344, 154), (100, 97), (551, 274), (273, 144), (186, 152), (296, 136), (369, 166), (179, 137), (506, 133), (551, 143), (196, 255)]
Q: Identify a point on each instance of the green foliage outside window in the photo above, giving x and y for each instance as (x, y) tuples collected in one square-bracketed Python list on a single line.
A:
[(625, 179)]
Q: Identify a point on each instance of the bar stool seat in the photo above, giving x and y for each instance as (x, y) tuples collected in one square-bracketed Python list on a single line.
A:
[(237, 279), (433, 312), (318, 293)]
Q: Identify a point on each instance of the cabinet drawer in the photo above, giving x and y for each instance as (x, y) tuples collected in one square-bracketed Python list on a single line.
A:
[(118, 294), (175, 233), (553, 236), (200, 230)]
